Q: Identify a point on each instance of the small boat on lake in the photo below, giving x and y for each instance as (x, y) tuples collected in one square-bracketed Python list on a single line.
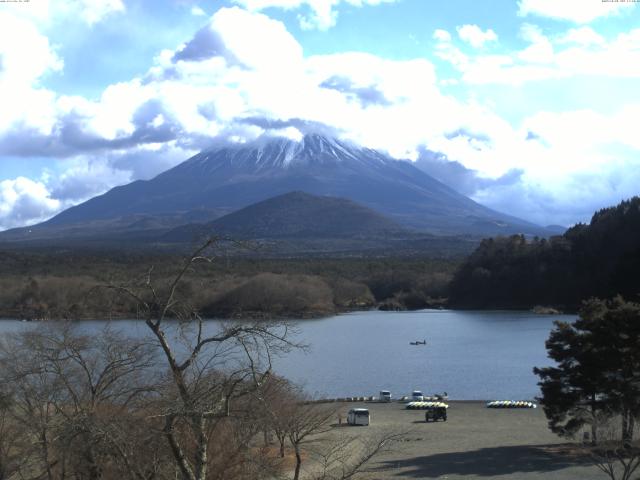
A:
[(418, 342)]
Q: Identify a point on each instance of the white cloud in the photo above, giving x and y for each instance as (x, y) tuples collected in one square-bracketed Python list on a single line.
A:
[(24, 201), (564, 199), (442, 35), (584, 36), (93, 11), (291, 133), (27, 56), (577, 11), (574, 162), (475, 36), (269, 45), (226, 83), (26, 53), (197, 11), (540, 50), (323, 14), (199, 97), (583, 137), (85, 178), (447, 51), (575, 53), (47, 13)]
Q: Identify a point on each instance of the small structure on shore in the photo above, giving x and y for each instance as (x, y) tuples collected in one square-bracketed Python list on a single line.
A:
[(358, 416)]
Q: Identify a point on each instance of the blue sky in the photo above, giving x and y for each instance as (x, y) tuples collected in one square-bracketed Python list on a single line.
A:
[(532, 103)]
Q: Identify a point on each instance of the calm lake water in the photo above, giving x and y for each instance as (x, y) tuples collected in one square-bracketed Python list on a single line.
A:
[(471, 355)]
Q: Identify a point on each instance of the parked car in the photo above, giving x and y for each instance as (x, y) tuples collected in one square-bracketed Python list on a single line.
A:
[(358, 416), (385, 396), (435, 413), (417, 396)]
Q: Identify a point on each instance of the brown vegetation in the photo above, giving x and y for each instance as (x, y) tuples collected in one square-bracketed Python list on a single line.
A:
[(276, 295), (61, 286), (185, 401)]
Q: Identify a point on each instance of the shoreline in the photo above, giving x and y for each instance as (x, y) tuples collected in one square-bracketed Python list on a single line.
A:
[(292, 316), (401, 367), (454, 401)]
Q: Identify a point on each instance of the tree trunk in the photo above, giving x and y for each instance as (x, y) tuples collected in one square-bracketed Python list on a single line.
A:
[(44, 442), (95, 472), (594, 421), (626, 437), (202, 444), (296, 474), (178, 454), (628, 425)]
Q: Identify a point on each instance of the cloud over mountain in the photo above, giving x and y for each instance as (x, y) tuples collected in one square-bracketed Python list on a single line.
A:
[(220, 82)]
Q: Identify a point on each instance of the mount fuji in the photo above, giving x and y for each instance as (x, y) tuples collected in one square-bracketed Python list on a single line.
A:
[(227, 178)]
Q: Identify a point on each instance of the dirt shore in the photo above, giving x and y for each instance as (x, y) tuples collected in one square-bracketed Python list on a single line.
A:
[(475, 442)]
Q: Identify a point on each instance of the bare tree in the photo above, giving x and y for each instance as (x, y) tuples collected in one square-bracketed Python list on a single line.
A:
[(616, 458), (307, 423), (34, 392), (289, 415), (12, 440), (76, 395), (278, 400), (209, 369), (346, 457), (188, 401)]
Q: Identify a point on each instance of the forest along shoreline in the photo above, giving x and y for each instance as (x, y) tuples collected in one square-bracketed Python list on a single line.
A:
[(548, 275), (59, 285)]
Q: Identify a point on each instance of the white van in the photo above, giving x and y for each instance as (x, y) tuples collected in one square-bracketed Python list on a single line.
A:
[(385, 396), (417, 396), (358, 416)]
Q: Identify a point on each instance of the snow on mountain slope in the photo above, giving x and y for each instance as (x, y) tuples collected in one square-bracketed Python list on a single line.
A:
[(233, 176)]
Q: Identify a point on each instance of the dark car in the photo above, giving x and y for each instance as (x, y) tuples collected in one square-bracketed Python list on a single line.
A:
[(435, 414)]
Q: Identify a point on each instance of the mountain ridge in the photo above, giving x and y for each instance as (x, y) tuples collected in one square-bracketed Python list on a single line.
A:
[(227, 178)]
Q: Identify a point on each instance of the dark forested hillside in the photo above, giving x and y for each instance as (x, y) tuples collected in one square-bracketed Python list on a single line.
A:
[(600, 259), (296, 215)]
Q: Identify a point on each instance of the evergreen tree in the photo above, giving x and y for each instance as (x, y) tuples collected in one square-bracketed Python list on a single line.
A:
[(573, 391), (596, 260), (598, 369)]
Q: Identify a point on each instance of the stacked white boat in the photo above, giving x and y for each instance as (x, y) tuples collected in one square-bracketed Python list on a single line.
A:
[(425, 405), (511, 404)]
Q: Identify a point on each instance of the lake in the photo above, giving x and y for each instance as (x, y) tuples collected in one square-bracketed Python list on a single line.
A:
[(472, 355)]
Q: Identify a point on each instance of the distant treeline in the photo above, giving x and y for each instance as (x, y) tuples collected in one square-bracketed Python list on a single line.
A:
[(62, 284), (601, 259)]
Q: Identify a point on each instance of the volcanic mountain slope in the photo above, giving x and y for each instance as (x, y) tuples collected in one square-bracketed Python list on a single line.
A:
[(301, 224), (225, 179), (296, 215)]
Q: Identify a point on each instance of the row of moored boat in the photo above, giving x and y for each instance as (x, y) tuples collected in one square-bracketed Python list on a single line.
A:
[(510, 404), (425, 405)]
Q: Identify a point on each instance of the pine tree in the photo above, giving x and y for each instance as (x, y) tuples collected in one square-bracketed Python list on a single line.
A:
[(598, 369)]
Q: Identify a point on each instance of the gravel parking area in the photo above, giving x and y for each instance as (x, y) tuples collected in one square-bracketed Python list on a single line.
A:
[(475, 442)]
